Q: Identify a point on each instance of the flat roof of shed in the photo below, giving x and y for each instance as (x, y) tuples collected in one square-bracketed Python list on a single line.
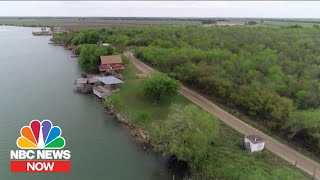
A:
[(254, 138), (109, 80)]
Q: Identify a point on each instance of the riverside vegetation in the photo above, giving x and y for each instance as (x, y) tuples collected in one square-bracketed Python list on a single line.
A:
[(268, 74), (178, 127)]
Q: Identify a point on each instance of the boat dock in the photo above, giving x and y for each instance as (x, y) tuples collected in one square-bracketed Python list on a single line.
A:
[(101, 86)]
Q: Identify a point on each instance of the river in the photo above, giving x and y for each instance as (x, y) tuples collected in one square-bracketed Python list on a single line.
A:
[(36, 83)]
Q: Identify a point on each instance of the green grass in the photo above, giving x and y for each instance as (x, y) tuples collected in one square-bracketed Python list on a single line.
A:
[(232, 162), (137, 109), (283, 24), (82, 23), (229, 160), (312, 114)]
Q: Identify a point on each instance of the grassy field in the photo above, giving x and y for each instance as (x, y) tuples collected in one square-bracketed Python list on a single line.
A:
[(284, 23), (229, 162), (69, 23), (79, 23), (296, 146)]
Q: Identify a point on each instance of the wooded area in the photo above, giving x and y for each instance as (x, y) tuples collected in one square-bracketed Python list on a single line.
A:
[(270, 74)]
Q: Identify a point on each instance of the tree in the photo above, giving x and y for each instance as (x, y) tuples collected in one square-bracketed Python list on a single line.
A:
[(80, 38), (209, 21), (160, 85), (89, 56), (77, 50), (252, 22), (187, 133), (92, 37)]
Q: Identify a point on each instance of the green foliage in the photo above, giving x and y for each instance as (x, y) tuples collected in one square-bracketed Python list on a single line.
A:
[(252, 22), (295, 26), (90, 54), (80, 38), (187, 133), (159, 86), (267, 73), (63, 37), (209, 22), (90, 37), (77, 50), (142, 117), (316, 26), (224, 158), (114, 101), (307, 130), (264, 104)]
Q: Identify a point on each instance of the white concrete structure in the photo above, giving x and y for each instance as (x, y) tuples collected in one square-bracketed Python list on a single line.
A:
[(254, 143)]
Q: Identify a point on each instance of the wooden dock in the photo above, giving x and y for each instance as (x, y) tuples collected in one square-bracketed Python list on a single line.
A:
[(42, 33)]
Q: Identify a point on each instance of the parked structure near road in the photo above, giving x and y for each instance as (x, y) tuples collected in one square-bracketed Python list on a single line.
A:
[(253, 143), (111, 64), (107, 86)]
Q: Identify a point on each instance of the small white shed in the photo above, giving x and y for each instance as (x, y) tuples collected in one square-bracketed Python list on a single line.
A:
[(254, 143), (106, 44)]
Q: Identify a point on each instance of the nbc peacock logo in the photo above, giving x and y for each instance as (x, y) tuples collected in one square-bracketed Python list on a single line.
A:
[(41, 149), (40, 135)]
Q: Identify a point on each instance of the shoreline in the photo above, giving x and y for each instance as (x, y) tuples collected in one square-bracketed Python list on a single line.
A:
[(141, 137), (138, 135)]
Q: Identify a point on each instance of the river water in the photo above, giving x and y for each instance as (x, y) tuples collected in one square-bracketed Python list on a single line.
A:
[(36, 83)]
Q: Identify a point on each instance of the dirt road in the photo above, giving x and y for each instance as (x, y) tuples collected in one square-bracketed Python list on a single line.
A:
[(304, 163)]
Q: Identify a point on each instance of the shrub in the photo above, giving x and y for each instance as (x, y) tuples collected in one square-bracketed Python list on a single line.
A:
[(160, 85), (90, 54)]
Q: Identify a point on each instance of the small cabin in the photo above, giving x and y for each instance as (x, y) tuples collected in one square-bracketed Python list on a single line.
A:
[(111, 64), (106, 86), (254, 143)]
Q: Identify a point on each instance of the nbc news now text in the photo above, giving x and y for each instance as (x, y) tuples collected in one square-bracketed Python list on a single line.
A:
[(40, 160), (41, 149)]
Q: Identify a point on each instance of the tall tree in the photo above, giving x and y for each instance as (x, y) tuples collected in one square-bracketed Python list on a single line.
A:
[(160, 85), (187, 133)]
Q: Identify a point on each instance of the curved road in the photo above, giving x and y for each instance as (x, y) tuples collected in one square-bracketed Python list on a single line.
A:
[(304, 163)]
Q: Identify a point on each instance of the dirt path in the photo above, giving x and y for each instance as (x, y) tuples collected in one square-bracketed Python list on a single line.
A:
[(306, 164)]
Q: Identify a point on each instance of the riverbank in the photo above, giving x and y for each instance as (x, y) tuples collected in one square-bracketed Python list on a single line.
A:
[(229, 159), (139, 136), (99, 146)]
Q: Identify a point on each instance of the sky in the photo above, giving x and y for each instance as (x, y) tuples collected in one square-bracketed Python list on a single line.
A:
[(264, 9)]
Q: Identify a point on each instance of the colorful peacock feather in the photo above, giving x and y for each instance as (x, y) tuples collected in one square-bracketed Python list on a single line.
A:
[(40, 135)]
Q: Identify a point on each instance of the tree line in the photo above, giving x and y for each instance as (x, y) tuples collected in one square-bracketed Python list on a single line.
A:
[(270, 74)]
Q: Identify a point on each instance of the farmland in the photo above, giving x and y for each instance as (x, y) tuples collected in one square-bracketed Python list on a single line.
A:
[(70, 23)]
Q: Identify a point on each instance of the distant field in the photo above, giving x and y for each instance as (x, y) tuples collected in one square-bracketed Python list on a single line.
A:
[(76, 23), (99, 22), (285, 23)]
